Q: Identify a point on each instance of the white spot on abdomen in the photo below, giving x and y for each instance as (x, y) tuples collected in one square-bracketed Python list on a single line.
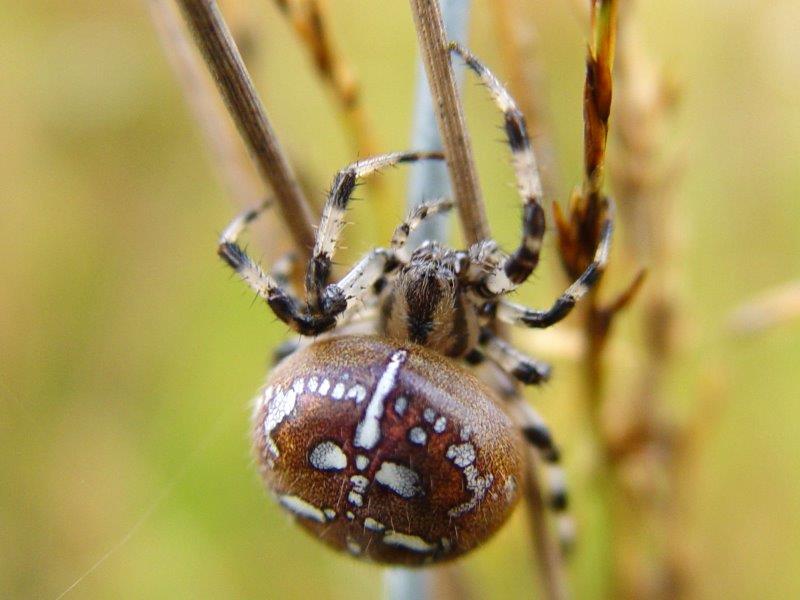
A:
[(461, 454), (417, 436), (477, 484), (409, 542), (357, 392), (353, 547), (373, 525), (440, 424), (463, 457), (302, 508), (400, 479), (327, 456), (278, 408), (368, 431), (260, 400), (356, 495)]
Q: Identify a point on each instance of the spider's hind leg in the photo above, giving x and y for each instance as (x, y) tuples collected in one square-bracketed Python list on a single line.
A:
[(510, 360), (516, 314), (277, 295), (537, 434)]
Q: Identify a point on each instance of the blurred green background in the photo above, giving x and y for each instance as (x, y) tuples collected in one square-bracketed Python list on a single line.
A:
[(128, 355)]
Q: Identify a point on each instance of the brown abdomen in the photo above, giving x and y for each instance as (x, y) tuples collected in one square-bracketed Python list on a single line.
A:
[(388, 451)]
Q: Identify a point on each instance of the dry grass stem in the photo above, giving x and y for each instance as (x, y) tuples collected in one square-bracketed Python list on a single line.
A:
[(518, 39), (433, 45), (223, 59), (228, 152), (309, 21), (579, 229)]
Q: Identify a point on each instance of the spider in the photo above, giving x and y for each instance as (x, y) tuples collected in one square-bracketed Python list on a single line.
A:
[(371, 433)]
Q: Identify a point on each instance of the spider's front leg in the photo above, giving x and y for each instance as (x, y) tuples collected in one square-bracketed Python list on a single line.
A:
[(285, 305), (517, 267), (321, 296), (516, 314)]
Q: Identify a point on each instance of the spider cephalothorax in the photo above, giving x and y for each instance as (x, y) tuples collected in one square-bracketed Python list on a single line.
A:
[(428, 304), (383, 444)]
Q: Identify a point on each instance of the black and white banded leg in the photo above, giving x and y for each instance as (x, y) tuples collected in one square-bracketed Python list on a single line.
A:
[(332, 221), (510, 360), (417, 216), (285, 306), (399, 239), (516, 314), (363, 283), (517, 267), (538, 435), (288, 308)]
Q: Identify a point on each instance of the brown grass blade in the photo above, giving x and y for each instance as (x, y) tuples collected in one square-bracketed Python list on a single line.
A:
[(219, 50), (435, 55)]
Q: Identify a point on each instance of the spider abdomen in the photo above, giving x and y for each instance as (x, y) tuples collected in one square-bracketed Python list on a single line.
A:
[(387, 450)]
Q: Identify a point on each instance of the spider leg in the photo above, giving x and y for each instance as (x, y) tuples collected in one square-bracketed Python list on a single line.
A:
[(537, 434), (417, 216), (332, 222), (516, 314), (521, 263), (513, 362), (285, 306), (360, 283)]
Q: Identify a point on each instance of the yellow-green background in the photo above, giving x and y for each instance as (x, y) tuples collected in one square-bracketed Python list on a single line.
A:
[(128, 355)]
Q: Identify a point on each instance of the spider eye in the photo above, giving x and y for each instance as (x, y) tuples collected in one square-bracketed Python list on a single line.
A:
[(390, 453)]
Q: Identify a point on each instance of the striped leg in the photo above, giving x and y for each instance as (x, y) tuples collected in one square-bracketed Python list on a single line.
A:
[(519, 265), (537, 434), (360, 283), (509, 359), (332, 222), (366, 281), (285, 306), (417, 216), (508, 312)]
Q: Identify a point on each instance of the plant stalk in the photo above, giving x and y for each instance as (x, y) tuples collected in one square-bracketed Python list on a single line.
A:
[(223, 59)]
